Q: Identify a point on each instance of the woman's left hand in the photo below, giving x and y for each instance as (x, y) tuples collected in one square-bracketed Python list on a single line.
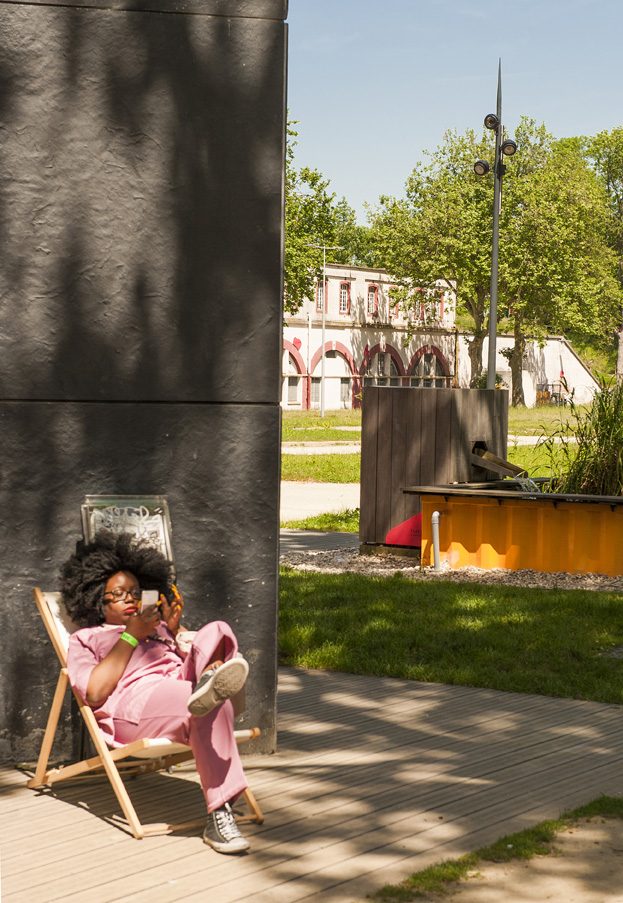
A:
[(172, 613)]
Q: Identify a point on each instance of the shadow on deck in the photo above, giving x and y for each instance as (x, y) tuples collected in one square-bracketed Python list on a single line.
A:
[(374, 779)]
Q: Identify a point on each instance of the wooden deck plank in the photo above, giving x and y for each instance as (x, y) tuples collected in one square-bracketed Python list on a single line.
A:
[(417, 771)]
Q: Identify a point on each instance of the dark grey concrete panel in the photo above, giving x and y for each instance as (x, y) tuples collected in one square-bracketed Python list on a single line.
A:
[(219, 467), (247, 9), (140, 205)]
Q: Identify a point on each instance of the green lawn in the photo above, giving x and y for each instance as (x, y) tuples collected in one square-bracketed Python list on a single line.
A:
[(321, 468), (346, 521), (306, 426), (345, 468), (309, 426), (541, 421), (506, 638)]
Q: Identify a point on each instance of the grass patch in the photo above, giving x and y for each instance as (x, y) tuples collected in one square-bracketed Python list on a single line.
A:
[(503, 637), (321, 468), (346, 521), (346, 468), (537, 460), (306, 426), (539, 421), (537, 841)]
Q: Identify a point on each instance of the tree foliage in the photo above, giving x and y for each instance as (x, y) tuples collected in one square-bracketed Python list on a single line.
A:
[(442, 230), (605, 151), (557, 268), (314, 217)]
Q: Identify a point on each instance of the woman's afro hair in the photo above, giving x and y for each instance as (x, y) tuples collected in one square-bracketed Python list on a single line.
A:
[(84, 575)]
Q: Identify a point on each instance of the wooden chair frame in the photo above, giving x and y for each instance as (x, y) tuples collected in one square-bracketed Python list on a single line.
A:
[(147, 755)]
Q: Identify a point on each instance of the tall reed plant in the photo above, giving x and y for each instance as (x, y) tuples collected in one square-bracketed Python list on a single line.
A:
[(586, 452)]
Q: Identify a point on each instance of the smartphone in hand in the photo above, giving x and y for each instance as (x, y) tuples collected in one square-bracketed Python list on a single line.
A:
[(149, 601)]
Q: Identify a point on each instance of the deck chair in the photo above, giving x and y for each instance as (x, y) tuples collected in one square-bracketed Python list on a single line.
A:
[(139, 757)]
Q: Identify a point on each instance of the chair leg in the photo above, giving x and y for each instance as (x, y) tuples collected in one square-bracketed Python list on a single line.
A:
[(252, 803), (50, 731), (113, 775)]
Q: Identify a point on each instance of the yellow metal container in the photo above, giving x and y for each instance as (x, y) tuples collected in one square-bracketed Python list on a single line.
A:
[(516, 531)]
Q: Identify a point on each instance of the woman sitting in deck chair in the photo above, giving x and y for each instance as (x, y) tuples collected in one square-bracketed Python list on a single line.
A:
[(128, 667)]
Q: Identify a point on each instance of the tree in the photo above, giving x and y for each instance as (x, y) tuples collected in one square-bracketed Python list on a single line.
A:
[(442, 230), (557, 271), (605, 151), (556, 268), (314, 217)]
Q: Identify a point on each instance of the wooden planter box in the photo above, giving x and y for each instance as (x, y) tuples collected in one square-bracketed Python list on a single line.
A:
[(518, 530)]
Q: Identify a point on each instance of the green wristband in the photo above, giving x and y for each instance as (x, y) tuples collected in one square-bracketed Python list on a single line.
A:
[(128, 638)]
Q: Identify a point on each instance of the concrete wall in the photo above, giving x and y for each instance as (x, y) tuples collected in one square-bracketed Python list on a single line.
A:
[(141, 224)]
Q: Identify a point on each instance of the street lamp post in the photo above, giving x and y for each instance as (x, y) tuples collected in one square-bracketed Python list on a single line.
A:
[(324, 249), (503, 148)]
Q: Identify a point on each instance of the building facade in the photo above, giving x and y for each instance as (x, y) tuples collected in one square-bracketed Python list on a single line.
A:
[(353, 332)]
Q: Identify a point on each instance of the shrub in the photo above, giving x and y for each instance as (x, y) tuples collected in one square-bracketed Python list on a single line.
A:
[(585, 453)]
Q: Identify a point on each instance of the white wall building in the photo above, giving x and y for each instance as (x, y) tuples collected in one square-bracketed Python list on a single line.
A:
[(368, 338)]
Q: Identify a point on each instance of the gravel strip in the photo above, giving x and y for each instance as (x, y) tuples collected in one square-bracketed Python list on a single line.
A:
[(349, 561)]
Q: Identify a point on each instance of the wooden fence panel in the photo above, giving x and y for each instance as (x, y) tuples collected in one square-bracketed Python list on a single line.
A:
[(414, 436), (368, 466)]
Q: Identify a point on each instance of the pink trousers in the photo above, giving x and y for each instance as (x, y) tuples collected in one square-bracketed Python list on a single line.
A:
[(211, 737)]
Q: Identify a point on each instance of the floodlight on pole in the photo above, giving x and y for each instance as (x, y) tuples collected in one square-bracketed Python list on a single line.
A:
[(506, 148), (324, 249)]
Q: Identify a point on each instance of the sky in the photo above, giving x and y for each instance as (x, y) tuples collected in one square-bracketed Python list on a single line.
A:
[(375, 84)]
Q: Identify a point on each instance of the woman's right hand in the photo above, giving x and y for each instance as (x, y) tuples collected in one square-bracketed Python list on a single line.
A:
[(143, 625)]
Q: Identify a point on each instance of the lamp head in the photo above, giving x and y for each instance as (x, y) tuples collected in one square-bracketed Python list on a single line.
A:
[(491, 121), (481, 167), (509, 148)]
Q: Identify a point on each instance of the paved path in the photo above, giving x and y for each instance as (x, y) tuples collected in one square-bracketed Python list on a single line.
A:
[(300, 500), (351, 448), (313, 541), (374, 778)]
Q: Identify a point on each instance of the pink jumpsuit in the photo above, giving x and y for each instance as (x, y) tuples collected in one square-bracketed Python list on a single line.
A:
[(150, 699)]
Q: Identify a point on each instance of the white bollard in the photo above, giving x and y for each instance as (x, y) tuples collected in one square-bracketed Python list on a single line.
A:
[(435, 530)]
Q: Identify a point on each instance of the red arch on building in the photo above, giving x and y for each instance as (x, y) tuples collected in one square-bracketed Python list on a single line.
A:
[(345, 353), (376, 349), (301, 368), (428, 349)]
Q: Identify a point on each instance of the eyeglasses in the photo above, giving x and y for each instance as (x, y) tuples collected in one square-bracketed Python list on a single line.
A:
[(118, 594)]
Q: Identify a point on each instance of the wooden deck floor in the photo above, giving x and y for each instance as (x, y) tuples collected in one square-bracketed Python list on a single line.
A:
[(373, 779)]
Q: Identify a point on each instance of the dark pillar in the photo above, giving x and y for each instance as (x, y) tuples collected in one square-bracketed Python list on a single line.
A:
[(141, 160)]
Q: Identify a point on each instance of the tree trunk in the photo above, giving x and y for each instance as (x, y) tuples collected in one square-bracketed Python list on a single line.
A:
[(516, 364), (474, 349)]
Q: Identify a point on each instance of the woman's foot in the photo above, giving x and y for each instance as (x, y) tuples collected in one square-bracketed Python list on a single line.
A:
[(218, 684), (222, 833)]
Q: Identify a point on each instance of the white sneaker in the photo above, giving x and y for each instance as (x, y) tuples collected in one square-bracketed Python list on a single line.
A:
[(222, 833), (217, 684)]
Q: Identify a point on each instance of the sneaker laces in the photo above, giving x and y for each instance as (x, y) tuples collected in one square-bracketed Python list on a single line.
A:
[(226, 823)]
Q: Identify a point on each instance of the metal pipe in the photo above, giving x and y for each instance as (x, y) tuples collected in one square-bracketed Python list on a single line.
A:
[(435, 531)]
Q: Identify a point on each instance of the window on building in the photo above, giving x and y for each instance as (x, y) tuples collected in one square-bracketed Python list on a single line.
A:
[(344, 297), (345, 391), (293, 390), (373, 299), (320, 295), (315, 391), (428, 372)]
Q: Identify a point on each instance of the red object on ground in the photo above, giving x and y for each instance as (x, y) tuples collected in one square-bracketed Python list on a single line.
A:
[(408, 533)]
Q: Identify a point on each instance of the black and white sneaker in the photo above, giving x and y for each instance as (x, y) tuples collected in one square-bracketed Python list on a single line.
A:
[(222, 834), (218, 684)]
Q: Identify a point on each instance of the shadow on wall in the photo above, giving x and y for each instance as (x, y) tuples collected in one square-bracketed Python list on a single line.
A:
[(140, 219)]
